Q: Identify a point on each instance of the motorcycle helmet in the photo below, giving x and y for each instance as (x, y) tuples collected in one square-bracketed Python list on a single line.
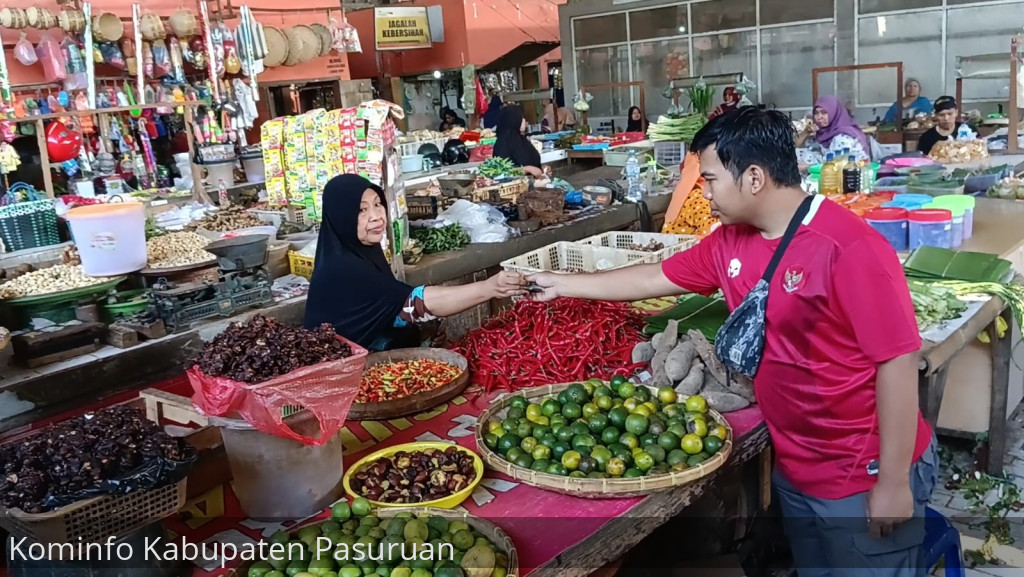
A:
[(455, 152), (432, 161), (428, 148)]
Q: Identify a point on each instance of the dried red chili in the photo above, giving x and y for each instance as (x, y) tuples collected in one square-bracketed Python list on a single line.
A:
[(543, 343), (396, 380)]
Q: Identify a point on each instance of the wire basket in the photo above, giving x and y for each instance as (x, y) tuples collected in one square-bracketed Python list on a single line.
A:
[(669, 154), (29, 224), (575, 258), (673, 243)]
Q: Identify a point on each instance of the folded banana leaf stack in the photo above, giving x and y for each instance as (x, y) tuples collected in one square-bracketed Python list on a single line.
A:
[(931, 263), (694, 312)]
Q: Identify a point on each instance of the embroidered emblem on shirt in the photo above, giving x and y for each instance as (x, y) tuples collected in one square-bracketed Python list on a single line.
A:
[(793, 279)]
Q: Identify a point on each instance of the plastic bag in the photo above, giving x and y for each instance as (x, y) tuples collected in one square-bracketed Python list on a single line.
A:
[(482, 222), (24, 51), (155, 472), (52, 58), (161, 59), (326, 390), (351, 36)]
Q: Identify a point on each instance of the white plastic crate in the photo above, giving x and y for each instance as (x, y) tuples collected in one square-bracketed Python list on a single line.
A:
[(410, 148), (669, 154), (571, 257), (622, 240)]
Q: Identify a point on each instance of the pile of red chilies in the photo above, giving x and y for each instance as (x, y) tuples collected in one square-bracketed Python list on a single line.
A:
[(557, 342)]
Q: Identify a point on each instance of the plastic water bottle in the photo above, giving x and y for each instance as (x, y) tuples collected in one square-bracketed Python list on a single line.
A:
[(635, 187)]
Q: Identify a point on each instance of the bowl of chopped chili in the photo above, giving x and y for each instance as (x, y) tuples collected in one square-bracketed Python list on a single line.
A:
[(408, 381)]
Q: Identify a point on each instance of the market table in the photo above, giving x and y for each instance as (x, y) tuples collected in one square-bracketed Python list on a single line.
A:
[(554, 533)]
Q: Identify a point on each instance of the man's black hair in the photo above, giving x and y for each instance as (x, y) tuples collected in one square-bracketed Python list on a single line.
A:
[(750, 136)]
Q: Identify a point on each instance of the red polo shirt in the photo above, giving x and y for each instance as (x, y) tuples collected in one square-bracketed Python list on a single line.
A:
[(838, 306)]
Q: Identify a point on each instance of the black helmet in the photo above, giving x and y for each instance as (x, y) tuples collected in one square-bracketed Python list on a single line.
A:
[(455, 152), (432, 161), (427, 148)]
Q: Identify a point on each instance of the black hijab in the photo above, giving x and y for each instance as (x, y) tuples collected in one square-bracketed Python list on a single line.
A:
[(634, 125), (352, 287), (512, 143)]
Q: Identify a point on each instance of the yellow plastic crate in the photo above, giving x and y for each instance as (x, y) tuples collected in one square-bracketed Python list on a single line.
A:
[(301, 265), (674, 243)]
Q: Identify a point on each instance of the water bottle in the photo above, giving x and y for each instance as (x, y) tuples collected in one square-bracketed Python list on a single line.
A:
[(635, 187)]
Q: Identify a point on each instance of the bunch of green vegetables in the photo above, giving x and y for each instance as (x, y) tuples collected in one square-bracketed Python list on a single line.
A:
[(934, 303), (700, 95), (676, 129), (497, 166), (440, 239), (152, 230), (1011, 293)]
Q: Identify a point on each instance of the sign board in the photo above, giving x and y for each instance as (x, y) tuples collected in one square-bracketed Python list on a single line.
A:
[(401, 28)]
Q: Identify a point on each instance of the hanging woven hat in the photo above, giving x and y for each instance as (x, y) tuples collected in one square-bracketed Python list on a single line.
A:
[(326, 39), (277, 47), (184, 23)]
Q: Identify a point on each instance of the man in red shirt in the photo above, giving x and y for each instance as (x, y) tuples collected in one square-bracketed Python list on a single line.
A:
[(837, 380)]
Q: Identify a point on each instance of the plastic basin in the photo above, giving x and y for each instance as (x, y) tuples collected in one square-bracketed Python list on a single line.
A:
[(449, 502)]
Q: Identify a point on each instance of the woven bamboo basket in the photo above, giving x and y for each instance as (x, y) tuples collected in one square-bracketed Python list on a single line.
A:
[(505, 192), (618, 488), (419, 402), (277, 47), (492, 532)]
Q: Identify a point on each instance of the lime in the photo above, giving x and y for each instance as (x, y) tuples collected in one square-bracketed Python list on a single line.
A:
[(697, 426), (281, 537), (513, 454), (550, 407), (643, 460), (577, 475), (309, 534), (657, 426), (565, 433), (648, 440), (341, 511), (509, 425), (697, 459), (524, 460), (541, 452), (630, 404), (609, 435), (592, 384), (692, 444), (508, 442), (572, 410), (626, 390), (630, 440), (549, 441), (712, 444), (563, 398), (598, 422), (642, 410), (463, 540), (643, 394), (580, 428), (533, 411), (528, 444), (540, 465), (637, 424), (601, 456), (524, 430), (597, 475), (519, 402), (260, 569), (583, 450), (330, 527), (558, 419), (491, 441), (539, 431), (571, 460), (495, 427), (515, 414), (296, 567), (604, 403), (583, 441), (587, 465), (676, 456), (696, 404), (578, 393), (617, 382), (719, 431), (616, 467), (557, 469), (669, 441), (657, 453), (677, 429), (617, 417), (589, 410), (666, 395), (633, 472), (560, 448)]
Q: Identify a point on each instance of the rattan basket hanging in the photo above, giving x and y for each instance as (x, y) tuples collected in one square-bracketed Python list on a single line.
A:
[(277, 47)]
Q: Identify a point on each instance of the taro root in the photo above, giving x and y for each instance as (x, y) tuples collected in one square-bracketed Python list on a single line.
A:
[(263, 348), (415, 477), (79, 454)]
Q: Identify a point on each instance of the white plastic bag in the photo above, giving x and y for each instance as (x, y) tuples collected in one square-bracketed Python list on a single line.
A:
[(24, 51), (482, 222)]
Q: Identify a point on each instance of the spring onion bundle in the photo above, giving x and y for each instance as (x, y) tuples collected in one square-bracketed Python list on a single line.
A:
[(1011, 293), (676, 129)]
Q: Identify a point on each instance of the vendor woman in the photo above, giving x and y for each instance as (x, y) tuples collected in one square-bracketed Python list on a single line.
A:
[(832, 130), (913, 103), (512, 143), (945, 115), (353, 288)]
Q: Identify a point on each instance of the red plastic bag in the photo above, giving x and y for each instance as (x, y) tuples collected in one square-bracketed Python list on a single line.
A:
[(481, 99), (326, 390), (481, 153)]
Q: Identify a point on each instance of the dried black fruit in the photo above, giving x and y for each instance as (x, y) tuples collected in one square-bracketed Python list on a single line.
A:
[(263, 348)]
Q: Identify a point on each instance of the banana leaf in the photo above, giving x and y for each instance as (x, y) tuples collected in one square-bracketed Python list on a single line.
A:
[(931, 263), (706, 314)]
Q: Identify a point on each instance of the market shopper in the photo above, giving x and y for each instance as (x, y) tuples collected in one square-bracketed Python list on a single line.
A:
[(450, 120), (830, 336), (512, 143), (946, 113), (832, 130), (557, 117), (636, 121), (353, 288), (912, 101)]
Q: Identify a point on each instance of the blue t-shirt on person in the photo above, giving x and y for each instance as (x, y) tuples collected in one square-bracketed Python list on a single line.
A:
[(920, 106)]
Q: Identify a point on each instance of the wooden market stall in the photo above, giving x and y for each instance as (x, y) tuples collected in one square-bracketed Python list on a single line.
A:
[(991, 66), (898, 136)]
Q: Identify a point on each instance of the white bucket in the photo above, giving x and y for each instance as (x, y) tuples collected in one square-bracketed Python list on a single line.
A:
[(253, 166), (218, 171), (111, 238)]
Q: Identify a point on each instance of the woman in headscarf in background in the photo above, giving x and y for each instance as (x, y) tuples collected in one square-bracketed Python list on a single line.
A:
[(635, 121), (490, 119), (353, 288), (513, 144), (834, 131), (913, 103), (730, 101)]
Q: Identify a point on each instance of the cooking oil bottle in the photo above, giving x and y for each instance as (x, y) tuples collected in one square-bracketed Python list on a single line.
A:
[(829, 181), (841, 165)]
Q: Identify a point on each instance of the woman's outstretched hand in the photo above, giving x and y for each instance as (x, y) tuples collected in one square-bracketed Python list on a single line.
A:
[(507, 284)]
